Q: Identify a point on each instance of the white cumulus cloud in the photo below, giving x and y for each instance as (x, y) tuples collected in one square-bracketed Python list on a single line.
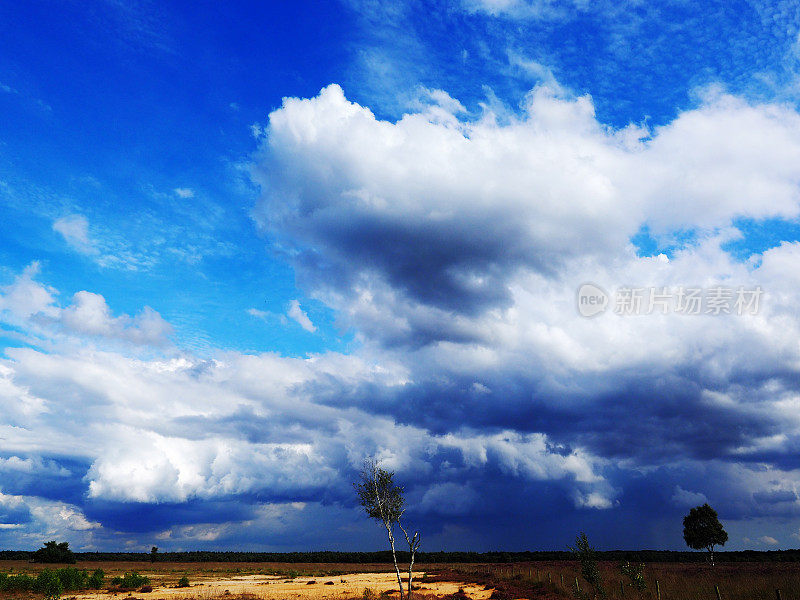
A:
[(29, 302)]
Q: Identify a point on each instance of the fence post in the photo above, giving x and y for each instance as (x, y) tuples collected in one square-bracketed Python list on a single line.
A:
[(716, 591), (658, 590), (548, 578), (562, 580), (621, 589)]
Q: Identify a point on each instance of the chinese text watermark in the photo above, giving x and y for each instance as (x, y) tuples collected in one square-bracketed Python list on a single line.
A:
[(683, 300)]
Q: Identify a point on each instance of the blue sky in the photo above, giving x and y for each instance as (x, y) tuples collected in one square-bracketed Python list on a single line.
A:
[(243, 246)]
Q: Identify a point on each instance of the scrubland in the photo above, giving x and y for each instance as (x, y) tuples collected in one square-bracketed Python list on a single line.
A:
[(311, 581)]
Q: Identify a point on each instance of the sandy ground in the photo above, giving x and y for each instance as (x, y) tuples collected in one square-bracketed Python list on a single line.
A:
[(270, 587)]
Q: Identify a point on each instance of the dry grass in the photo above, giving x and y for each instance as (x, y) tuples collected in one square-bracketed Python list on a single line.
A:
[(261, 581), (736, 581)]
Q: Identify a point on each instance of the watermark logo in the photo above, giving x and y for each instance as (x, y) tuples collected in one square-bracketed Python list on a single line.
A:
[(682, 300), (592, 300)]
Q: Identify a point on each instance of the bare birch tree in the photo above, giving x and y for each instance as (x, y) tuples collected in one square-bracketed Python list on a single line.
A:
[(383, 500)]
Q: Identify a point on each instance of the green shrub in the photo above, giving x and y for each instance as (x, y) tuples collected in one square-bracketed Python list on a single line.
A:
[(18, 583), (49, 584), (72, 579), (95, 580), (634, 572), (132, 581), (68, 579), (183, 582)]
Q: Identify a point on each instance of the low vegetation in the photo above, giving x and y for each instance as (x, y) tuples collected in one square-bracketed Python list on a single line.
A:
[(582, 573), (369, 594), (129, 581), (52, 583), (634, 572), (556, 579)]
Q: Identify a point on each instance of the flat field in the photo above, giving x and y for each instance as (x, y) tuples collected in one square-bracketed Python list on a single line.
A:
[(533, 580), (253, 581), (673, 581)]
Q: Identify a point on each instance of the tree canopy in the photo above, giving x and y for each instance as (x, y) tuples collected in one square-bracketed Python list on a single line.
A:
[(53, 552), (703, 530), (381, 498)]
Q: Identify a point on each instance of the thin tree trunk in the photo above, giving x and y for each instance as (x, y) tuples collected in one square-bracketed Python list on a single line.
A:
[(388, 524), (394, 557), (413, 544), (410, 570)]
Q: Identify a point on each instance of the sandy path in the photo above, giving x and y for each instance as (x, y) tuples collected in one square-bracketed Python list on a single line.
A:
[(270, 587)]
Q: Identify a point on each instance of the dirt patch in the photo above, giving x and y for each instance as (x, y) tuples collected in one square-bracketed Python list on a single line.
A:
[(269, 587)]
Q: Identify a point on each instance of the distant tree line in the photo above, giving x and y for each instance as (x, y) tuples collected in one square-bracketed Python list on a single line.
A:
[(422, 557)]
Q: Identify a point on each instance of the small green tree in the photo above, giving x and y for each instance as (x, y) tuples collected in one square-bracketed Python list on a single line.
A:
[(383, 500), (634, 572), (153, 554), (702, 530), (585, 553)]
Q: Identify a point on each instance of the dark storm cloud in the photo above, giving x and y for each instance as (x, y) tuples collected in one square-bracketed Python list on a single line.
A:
[(148, 517), (463, 267), (775, 497), (244, 423), (14, 515), (653, 417), (654, 420), (53, 478)]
